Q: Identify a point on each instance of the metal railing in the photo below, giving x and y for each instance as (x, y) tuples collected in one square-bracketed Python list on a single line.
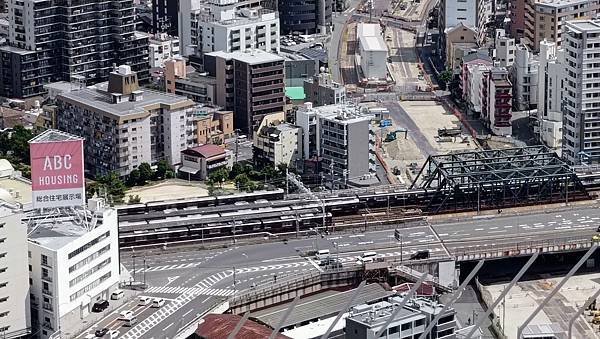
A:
[(525, 247)]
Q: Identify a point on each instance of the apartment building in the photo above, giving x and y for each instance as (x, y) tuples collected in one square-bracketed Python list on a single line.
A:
[(504, 53), (581, 90), (279, 144), (49, 42), (517, 18), (474, 14), (341, 137), (125, 126), (73, 262), (365, 320), (14, 276), (305, 16), (544, 19), (162, 47), (473, 67), (461, 40), (524, 77), (496, 101), (322, 90), (227, 26), (165, 16), (551, 82), (251, 84), (213, 126)]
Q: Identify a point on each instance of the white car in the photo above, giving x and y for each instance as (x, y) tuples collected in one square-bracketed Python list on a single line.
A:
[(90, 336), (158, 302), (126, 315), (114, 334), (144, 301)]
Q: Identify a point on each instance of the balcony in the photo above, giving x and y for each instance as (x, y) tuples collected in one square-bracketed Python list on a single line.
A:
[(47, 278), (47, 292)]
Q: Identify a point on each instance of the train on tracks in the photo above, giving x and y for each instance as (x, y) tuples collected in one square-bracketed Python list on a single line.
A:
[(242, 214)]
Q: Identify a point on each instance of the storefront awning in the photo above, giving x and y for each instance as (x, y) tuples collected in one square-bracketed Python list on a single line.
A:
[(189, 170)]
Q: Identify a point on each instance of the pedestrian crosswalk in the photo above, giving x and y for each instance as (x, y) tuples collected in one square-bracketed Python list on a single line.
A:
[(155, 318), (166, 267), (240, 270), (190, 290)]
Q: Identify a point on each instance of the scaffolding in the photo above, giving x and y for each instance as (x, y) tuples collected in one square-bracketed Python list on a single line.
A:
[(495, 179)]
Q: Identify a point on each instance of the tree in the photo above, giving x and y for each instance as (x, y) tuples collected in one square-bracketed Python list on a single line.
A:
[(16, 142), (146, 173), (134, 199), (161, 170), (134, 177), (241, 181), (219, 176), (446, 76), (111, 185), (236, 170)]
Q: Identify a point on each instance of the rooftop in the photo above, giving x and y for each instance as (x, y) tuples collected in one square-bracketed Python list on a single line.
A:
[(98, 98), (53, 135), (206, 151), (56, 232), (373, 43), (254, 16), (377, 314), (252, 57), (584, 25), (295, 93), (560, 3), (318, 306), (218, 326)]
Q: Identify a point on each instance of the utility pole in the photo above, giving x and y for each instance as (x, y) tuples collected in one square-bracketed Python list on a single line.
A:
[(133, 256), (287, 182), (236, 144), (234, 290), (144, 271), (331, 174)]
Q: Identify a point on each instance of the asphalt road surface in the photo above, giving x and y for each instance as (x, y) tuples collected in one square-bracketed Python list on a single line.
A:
[(192, 282)]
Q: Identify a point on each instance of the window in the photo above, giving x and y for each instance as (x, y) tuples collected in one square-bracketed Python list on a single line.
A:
[(88, 245), (3, 299)]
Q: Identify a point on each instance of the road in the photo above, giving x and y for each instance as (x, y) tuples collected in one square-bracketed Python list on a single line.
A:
[(192, 282), (334, 46)]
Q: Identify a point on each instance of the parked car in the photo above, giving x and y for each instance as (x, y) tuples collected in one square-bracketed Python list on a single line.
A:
[(114, 334), (101, 332), (100, 306), (118, 294)]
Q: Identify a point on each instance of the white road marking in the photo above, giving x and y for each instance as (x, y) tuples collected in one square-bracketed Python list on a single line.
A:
[(164, 329)]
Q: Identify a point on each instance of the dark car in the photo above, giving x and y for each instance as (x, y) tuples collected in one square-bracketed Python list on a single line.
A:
[(419, 255), (100, 306), (101, 332), (330, 263)]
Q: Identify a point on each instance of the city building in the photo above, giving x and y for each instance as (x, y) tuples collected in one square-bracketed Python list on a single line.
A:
[(221, 26), (366, 320), (175, 68), (73, 262), (305, 17), (581, 120), (460, 40), (124, 125), (165, 16), (551, 82), (496, 101), (341, 137), (322, 90), (50, 42), (473, 67), (298, 68), (279, 144), (524, 77), (15, 321), (251, 84), (505, 49), (372, 51), (212, 125), (198, 162), (544, 19), (161, 48), (517, 18)]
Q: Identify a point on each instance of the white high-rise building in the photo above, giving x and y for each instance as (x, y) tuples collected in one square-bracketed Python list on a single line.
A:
[(74, 262), (581, 90), (14, 277), (524, 77), (227, 25), (505, 49), (551, 78)]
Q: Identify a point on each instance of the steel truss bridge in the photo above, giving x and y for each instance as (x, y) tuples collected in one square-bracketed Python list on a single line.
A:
[(496, 179)]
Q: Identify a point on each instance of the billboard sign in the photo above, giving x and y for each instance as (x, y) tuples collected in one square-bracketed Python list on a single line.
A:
[(57, 178)]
